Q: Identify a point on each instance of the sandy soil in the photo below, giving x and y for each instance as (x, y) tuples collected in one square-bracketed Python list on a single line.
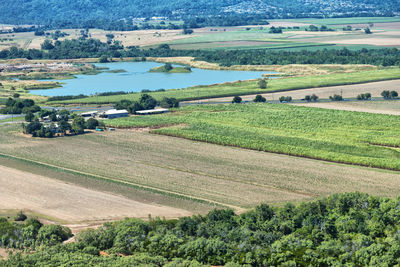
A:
[(3, 253), (348, 91), (71, 203)]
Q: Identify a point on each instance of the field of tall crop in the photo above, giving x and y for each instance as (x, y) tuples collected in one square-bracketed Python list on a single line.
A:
[(333, 135), (251, 87)]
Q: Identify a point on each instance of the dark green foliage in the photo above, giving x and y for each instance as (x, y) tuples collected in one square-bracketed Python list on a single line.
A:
[(84, 48), (29, 116), (20, 217), (351, 229), (18, 106), (275, 30), (366, 96), (169, 102), (260, 98), (103, 59), (284, 99), (237, 99), (78, 125), (389, 94), (187, 31), (145, 102), (368, 31), (336, 97), (310, 98), (262, 83), (92, 123)]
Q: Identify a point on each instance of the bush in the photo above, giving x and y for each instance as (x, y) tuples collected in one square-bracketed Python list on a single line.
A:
[(237, 100), (262, 83), (91, 123), (103, 59), (285, 99), (336, 97), (167, 102), (389, 94), (20, 217), (260, 98), (366, 96)]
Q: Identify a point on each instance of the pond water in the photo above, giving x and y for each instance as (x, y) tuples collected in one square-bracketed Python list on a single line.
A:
[(137, 78)]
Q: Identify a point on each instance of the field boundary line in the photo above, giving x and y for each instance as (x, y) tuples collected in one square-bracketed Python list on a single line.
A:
[(228, 179), (135, 185)]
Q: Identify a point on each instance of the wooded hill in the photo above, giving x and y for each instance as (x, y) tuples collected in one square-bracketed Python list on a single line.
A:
[(121, 14)]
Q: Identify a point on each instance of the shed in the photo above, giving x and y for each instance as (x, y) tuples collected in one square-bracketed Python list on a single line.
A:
[(89, 114), (114, 113), (152, 111)]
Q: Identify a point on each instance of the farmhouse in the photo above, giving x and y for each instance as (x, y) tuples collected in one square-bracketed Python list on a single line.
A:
[(114, 113), (152, 111)]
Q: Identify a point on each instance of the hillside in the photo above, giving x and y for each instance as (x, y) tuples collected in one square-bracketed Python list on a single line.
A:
[(124, 13)]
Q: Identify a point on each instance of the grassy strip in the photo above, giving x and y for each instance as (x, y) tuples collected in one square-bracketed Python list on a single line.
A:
[(331, 135), (119, 182), (251, 87)]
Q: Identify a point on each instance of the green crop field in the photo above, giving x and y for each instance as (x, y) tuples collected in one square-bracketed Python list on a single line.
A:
[(250, 87), (332, 135)]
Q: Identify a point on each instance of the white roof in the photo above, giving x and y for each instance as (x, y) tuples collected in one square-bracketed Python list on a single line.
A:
[(89, 112), (115, 111), (152, 110)]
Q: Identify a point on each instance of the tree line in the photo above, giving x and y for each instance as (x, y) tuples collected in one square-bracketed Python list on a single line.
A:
[(350, 229), (85, 48)]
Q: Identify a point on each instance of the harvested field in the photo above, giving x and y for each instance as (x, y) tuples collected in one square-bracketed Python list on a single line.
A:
[(378, 41), (379, 107), (348, 91), (235, 177), (71, 203)]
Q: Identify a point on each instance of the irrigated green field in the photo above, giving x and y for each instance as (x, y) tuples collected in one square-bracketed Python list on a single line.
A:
[(251, 87), (339, 136)]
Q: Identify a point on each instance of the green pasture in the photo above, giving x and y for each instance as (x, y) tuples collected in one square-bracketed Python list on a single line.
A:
[(338, 136)]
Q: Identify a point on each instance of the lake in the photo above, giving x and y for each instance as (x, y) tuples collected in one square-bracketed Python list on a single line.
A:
[(137, 78)]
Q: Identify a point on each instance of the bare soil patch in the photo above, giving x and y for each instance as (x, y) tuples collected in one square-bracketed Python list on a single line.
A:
[(68, 202)]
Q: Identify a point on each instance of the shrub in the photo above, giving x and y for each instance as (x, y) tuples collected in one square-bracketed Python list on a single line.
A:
[(20, 217), (366, 96), (91, 123), (336, 97), (285, 99), (260, 98), (237, 100), (262, 83), (167, 102)]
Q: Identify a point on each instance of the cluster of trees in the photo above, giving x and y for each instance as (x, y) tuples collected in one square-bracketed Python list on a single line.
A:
[(310, 98), (260, 99), (366, 96), (84, 48), (30, 233), (146, 102), (336, 97), (386, 94), (275, 30), (285, 99), (351, 229), (323, 28), (19, 106), (57, 122)]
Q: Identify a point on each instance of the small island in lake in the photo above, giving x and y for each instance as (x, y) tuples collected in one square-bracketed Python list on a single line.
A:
[(168, 68)]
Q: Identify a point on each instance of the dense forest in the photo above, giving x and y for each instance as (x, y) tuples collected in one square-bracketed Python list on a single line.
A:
[(351, 229), (126, 14), (85, 48)]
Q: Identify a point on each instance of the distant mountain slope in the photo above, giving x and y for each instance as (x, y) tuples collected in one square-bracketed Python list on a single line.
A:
[(73, 12)]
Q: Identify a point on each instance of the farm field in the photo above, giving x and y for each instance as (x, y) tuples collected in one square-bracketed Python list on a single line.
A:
[(251, 87), (332, 135), (241, 37), (347, 91), (380, 107), (227, 176), (71, 203)]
